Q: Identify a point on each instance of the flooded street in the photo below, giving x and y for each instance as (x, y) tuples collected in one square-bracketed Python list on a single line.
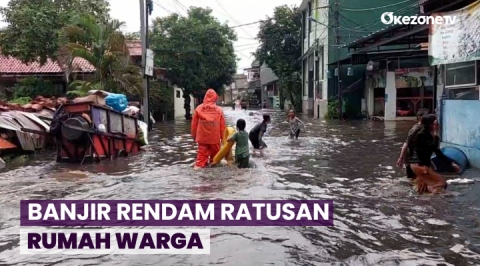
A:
[(378, 218)]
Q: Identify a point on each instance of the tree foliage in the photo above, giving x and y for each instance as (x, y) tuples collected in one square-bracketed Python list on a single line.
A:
[(103, 46), (161, 100), (32, 87), (280, 48), (34, 30), (197, 51), (132, 36)]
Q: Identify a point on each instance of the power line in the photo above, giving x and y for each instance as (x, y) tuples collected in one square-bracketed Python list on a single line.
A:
[(243, 45), (162, 7), (247, 48), (180, 5), (234, 20), (398, 12), (247, 24), (374, 8)]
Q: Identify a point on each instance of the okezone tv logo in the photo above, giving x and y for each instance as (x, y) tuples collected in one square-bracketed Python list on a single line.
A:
[(388, 18)]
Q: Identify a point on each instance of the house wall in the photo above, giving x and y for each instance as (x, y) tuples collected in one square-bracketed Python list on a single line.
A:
[(354, 24), (178, 102), (390, 97), (317, 36), (226, 97), (460, 127)]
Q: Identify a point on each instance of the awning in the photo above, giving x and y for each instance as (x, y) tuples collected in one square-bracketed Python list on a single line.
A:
[(398, 34), (359, 59), (408, 35), (373, 35)]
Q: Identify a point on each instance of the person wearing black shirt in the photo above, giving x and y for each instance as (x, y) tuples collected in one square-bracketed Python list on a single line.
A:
[(403, 158), (425, 143), (256, 134)]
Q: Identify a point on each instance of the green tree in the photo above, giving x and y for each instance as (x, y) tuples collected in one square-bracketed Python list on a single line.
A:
[(34, 30), (161, 100), (132, 36), (103, 46), (197, 51), (32, 87), (280, 48)]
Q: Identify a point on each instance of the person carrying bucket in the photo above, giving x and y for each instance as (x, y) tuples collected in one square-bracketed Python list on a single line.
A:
[(208, 125)]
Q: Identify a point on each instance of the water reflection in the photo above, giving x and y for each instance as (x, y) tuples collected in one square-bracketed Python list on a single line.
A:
[(379, 220)]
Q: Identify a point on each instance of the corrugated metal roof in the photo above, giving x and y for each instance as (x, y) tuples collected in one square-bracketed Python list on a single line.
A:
[(267, 75), (421, 2), (386, 29), (373, 34)]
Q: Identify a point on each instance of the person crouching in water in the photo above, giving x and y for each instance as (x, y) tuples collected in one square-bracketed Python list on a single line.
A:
[(295, 124), (403, 158), (208, 126), (242, 153), (257, 132), (424, 145)]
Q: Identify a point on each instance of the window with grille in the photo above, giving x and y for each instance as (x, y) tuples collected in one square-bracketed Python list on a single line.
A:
[(461, 74)]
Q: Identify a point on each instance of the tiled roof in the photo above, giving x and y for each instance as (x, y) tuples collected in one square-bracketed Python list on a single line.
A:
[(10, 65), (135, 48)]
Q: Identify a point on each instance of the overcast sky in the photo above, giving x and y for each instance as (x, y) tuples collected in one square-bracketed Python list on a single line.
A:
[(235, 12)]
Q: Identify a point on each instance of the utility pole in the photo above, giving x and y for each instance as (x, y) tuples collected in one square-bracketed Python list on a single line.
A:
[(144, 39), (234, 85), (339, 72)]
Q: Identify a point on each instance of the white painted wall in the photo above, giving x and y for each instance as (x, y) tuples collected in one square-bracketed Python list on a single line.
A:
[(178, 103), (321, 34), (390, 97), (369, 100)]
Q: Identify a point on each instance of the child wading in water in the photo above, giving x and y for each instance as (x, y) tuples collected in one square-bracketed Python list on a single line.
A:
[(295, 124), (242, 153), (256, 134)]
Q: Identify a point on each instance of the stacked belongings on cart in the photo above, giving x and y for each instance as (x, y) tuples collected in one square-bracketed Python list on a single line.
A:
[(117, 102)]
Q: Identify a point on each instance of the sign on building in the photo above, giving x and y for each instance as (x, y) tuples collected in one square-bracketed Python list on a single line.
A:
[(458, 42), (149, 63)]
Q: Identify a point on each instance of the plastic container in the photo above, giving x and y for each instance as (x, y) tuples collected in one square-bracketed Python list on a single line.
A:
[(454, 154), (144, 134), (117, 101)]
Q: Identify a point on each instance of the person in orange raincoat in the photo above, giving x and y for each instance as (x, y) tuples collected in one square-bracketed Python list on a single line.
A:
[(208, 126)]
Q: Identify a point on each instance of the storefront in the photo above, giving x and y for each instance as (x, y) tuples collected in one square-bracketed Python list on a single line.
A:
[(399, 77), (412, 89)]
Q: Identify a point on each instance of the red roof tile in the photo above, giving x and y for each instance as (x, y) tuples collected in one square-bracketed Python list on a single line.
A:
[(10, 65), (135, 48)]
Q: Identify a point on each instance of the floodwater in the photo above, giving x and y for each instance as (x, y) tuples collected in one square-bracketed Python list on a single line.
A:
[(378, 219)]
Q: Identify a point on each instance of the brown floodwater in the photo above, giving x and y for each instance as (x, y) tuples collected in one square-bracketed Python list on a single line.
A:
[(378, 219)]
